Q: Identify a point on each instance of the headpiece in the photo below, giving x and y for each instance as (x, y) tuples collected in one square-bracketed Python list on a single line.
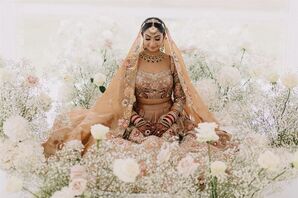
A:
[(153, 29)]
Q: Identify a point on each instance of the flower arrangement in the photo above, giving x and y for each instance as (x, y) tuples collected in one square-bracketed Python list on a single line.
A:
[(258, 106)]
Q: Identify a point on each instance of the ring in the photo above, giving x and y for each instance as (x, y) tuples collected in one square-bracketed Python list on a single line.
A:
[(147, 132)]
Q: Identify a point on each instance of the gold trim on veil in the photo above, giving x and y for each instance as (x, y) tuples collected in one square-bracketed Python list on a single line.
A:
[(115, 105)]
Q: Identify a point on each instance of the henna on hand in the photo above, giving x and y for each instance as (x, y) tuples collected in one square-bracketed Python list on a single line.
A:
[(147, 128), (159, 129)]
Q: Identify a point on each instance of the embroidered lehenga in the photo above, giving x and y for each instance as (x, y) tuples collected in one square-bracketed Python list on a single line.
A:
[(157, 93), (148, 94)]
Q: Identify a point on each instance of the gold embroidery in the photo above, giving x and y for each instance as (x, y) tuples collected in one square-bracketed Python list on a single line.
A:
[(154, 85)]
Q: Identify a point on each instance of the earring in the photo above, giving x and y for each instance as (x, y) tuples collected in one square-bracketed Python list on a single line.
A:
[(162, 48)]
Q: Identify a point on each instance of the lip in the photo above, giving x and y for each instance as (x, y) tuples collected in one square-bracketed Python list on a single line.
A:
[(152, 49)]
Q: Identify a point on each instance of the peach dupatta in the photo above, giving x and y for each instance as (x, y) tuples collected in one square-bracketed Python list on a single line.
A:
[(113, 109)]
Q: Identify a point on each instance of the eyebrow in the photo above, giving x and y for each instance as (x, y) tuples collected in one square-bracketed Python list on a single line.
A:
[(154, 36)]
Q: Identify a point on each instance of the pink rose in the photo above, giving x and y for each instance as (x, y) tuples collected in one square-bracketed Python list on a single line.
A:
[(108, 44), (32, 80), (77, 171), (123, 123), (78, 186), (143, 168), (187, 166)]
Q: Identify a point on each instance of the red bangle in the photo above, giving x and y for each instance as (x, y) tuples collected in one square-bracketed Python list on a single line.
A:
[(174, 113), (134, 117), (139, 119), (170, 118)]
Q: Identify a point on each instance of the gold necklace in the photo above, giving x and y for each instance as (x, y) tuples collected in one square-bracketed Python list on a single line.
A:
[(152, 58)]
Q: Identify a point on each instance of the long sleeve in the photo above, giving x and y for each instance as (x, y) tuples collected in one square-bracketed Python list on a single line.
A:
[(179, 96), (179, 100)]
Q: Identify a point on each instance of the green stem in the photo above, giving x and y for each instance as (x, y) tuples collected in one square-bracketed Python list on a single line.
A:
[(97, 175), (213, 180), (245, 82), (109, 184), (285, 104), (253, 194), (26, 189), (97, 144), (269, 182), (243, 52), (280, 174), (260, 171)]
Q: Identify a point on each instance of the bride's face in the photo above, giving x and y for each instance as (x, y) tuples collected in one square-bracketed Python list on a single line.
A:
[(152, 41)]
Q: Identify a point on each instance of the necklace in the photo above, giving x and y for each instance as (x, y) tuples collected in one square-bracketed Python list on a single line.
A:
[(152, 58)]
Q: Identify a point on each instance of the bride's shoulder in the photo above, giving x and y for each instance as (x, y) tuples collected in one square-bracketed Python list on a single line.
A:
[(167, 57), (170, 62)]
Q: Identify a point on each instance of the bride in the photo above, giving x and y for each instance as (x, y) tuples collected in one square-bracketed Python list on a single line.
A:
[(150, 98)]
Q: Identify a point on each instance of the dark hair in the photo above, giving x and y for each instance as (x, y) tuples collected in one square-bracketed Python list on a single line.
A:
[(160, 26)]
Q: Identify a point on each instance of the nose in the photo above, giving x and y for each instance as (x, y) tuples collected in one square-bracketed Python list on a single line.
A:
[(152, 44)]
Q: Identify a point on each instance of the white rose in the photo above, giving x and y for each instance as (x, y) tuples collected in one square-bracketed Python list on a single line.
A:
[(107, 35), (164, 153), (228, 76), (45, 100), (295, 160), (99, 79), (256, 72), (65, 192), (272, 76), (207, 89), (187, 166), (29, 156), (14, 184), (126, 169), (99, 131), (66, 91), (206, 132), (269, 160), (290, 80), (6, 75), (218, 168), (16, 128), (78, 186), (246, 45), (8, 153)]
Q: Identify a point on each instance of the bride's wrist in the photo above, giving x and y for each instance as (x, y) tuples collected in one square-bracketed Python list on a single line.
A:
[(168, 119), (189, 137)]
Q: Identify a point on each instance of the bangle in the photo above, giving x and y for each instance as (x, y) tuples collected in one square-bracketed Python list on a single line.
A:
[(140, 123), (137, 120), (174, 113), (169, 119), (134, 117), (165, 123)]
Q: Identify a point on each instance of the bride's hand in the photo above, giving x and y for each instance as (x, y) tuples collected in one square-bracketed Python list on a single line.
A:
[(159, 129), (147, 128)]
